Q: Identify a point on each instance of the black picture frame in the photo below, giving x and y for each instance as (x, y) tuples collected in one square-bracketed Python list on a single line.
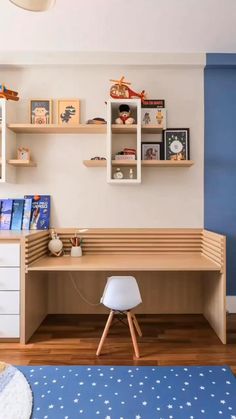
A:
[(151, 146), (178, 135)]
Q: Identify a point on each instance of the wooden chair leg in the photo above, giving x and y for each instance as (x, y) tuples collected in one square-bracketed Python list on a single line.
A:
[(132, 332), (105, 332), (136, 324)]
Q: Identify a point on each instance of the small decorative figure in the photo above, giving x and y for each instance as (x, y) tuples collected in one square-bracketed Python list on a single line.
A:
[(8, 94), (97, 121), (55, 245), (131, 173), (23, 153), (124, 115), (118, 174), (121, 90), (159, 117), (146, 118)]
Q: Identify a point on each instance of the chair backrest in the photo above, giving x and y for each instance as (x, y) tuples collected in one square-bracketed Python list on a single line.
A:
[(121, 293)]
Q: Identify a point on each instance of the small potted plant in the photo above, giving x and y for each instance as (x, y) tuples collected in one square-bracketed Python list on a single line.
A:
[(76, 248)]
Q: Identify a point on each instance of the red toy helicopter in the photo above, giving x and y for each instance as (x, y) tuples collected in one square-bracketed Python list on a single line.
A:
[(120, 90)]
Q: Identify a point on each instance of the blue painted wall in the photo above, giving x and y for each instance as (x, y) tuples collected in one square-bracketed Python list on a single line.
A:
[(220, 154)]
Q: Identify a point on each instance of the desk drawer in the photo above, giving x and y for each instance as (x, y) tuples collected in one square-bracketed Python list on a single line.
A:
[(9, 326), (9, 302), (9, 279), (9, 254)]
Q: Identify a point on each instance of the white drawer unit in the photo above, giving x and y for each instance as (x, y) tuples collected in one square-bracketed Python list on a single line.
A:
[(9, 326), (9, 302), (9, 279), (9, 254)]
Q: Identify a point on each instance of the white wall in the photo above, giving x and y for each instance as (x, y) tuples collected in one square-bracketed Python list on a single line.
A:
[(167, 197)]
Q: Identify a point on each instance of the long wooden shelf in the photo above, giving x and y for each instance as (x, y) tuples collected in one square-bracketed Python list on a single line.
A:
[(22, 163), (57, 129), (145, 163), (174, 262), (79, 129)]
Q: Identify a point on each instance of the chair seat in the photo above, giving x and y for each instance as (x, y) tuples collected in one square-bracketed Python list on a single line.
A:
[(121, 293)]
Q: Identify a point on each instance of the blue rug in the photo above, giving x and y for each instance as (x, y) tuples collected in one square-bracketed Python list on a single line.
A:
[(132, 392)]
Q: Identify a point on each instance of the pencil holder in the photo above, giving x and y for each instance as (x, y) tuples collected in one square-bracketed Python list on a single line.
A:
[(76, 251)]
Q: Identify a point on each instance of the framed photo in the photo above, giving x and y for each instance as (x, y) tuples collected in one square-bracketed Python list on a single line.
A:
[(151, 151), (23, 153), (176, 144), (68, 112), (41, 111)]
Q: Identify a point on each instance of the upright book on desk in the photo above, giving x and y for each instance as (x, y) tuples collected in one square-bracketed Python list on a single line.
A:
[(6, 214), (17, 214), (40, 212), (27, 214)]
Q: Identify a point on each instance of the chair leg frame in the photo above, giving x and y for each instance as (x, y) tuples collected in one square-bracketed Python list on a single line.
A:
[(105, 332)]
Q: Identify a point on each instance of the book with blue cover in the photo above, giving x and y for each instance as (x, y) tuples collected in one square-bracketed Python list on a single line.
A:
[(40, 213), (6, 214), (27, 214), (17, 214)]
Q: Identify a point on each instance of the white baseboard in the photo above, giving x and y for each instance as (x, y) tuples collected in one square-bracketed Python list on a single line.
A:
[(231, 303)]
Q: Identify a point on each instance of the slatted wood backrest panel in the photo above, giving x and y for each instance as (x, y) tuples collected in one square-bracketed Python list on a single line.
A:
[(136, 241), (213, 247), (36, 246)]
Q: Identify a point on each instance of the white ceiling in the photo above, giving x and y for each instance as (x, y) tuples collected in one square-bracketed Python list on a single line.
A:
[(122, 25)]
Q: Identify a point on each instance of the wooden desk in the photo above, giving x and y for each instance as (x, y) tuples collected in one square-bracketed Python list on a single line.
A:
[(144, 263), (178, 271)]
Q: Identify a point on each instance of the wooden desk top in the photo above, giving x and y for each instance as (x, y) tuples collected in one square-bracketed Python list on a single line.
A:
[(174, 262)]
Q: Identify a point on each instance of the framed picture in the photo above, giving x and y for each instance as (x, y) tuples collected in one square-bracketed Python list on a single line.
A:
[(151, 151), (23, 153), (68, 112), (176, 144), (41, 111)]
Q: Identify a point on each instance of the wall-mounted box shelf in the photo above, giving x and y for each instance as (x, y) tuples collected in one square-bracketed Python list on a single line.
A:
[(145, 163), (22, 163)]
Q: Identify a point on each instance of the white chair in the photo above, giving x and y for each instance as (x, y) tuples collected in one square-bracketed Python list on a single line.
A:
[(121, 295)]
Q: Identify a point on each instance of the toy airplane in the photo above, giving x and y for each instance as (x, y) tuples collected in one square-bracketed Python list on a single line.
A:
[(8, 94), (120, 90)]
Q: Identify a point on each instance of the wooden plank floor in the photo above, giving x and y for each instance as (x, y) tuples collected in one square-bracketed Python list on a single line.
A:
[(167, 340)]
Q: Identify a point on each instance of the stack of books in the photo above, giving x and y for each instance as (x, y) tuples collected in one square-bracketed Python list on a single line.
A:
[(126, 154), (30, 213)]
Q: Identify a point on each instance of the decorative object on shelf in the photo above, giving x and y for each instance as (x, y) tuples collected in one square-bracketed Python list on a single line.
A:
[(55, 245), (124, 115), (151, 151), (8, 94), (23, 153), (118, 174), (126, 154), (34, 5), (68, 112), (76, 248), (120, 90), (131, 173), (97, 121), (176, 144), (98, 158), (40, 111), (154, 113)]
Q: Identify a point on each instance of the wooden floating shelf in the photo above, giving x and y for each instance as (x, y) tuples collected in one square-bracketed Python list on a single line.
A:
[(145, 163), (22, 163), (57, 129), (79, 129)]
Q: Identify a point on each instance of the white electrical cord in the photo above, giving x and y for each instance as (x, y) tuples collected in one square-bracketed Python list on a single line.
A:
[(80, 294)]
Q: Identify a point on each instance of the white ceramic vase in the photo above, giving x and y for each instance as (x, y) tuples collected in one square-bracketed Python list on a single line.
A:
[(76, 251)]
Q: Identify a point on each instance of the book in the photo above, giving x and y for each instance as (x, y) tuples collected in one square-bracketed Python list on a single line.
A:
[(17, 214), (26, 213), (6, 214), (40, 212)]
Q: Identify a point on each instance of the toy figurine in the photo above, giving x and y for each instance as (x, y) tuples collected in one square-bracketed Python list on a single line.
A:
[(146, 118), (121, 90), (55, 246), (8, 94), (124, 115)]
